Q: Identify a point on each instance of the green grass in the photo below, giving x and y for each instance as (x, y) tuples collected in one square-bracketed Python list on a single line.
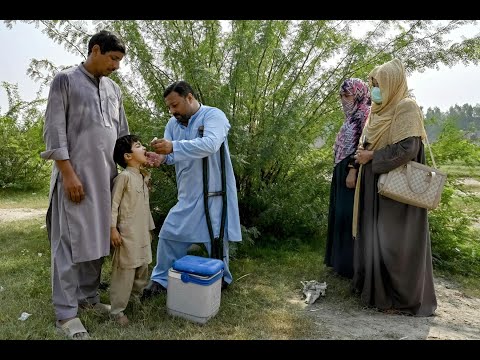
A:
[(461, 171), (266, 303), (35, 199)]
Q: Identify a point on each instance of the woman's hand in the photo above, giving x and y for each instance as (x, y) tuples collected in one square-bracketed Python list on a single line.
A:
[(363, 156), (351, 178)]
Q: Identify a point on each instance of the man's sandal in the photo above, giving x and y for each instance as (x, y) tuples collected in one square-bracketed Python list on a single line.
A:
[(73, 329)]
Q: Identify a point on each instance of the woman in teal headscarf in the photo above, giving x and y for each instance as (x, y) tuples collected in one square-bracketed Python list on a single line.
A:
[(392, 253)]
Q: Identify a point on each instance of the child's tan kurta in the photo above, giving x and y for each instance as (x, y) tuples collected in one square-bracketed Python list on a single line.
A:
[(133, 219)]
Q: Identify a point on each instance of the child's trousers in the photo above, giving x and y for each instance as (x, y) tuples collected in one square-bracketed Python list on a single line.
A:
[(126, 283)]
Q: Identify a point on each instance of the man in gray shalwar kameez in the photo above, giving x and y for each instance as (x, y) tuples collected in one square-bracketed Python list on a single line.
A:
[(184, 146), (83, 119)]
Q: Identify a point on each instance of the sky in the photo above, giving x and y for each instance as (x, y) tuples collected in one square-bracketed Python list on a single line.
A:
[(442, 88)]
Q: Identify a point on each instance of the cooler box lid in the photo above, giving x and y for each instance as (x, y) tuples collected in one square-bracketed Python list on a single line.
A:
[(198, 265)]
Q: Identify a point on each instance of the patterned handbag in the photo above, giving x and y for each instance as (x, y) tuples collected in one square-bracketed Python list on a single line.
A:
[(414, 184)]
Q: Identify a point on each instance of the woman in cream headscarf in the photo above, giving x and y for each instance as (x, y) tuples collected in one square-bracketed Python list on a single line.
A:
[(392, 252)]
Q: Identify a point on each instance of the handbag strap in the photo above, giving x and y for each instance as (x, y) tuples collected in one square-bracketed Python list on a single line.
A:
[(430, 176), (430, 149)]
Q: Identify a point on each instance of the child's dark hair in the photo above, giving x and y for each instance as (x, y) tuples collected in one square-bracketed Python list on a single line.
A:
[(123, 146)]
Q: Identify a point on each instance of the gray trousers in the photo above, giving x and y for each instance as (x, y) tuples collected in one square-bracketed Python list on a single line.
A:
[(72, 283)]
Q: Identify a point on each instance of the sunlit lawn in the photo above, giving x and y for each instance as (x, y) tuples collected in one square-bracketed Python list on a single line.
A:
[(265, 302)]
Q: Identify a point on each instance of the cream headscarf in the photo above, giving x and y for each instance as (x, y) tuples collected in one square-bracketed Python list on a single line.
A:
[(396, 118)]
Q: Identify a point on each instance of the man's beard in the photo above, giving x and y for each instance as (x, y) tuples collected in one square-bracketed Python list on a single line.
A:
[(182, 118)]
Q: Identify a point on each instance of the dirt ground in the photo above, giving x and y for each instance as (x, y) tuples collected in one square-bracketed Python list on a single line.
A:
[(457, 316), (20, 214)]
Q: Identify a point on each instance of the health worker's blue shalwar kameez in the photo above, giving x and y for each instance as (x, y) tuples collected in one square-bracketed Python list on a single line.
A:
[(186, 223)]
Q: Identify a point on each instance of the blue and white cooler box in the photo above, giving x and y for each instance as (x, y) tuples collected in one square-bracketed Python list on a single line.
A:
[(194, 288)]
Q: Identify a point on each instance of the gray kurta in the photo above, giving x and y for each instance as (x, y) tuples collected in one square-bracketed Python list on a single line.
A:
[(392, 255), (83, 119), (131, 215)]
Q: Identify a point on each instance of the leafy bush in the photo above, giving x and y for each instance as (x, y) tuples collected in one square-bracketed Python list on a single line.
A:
[(21, 130), (455, 243)]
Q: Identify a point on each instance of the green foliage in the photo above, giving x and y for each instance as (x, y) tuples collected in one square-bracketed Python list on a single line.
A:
[(284, 202), (455, 245), (452, 145), (465, 118), (21, 131), (164, 192), (277, 81)]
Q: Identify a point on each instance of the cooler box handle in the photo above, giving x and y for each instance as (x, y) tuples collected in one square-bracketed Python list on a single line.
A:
[(186, 278)]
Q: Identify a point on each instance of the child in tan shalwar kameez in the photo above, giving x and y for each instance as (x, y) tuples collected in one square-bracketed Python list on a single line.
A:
[(130, 227)]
